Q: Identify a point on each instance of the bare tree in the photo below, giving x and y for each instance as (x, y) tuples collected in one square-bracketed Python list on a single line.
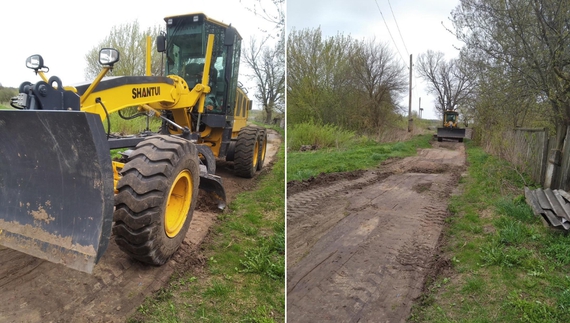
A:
[(267, 58), (275, 15), (268, 65), (130, 40), (446, 79)]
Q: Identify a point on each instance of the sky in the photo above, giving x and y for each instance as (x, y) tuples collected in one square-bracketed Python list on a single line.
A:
[(420, 23), (64, 31)]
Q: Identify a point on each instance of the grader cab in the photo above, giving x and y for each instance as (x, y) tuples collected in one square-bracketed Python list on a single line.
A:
[(61, 196)]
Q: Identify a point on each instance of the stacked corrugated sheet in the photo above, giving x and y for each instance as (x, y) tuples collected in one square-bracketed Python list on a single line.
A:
[(553, 206)]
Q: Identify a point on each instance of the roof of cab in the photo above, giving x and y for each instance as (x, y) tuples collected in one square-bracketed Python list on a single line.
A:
[(217, 22)]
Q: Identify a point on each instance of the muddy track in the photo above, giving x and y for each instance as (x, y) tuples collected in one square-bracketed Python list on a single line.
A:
[(360, 249), (34, 290)]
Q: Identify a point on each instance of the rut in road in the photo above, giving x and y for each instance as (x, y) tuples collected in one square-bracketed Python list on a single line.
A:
[(360, 250)]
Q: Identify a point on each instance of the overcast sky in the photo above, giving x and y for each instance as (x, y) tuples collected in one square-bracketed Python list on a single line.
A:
[(63, 31), (419, 22)]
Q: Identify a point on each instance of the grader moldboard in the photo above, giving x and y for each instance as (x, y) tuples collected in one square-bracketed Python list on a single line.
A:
[(61, 196)]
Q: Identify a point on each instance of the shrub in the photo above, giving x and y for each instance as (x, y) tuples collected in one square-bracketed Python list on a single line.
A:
[(320, 136)]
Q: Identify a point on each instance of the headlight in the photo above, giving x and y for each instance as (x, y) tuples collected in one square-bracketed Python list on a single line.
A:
[(108, 56)]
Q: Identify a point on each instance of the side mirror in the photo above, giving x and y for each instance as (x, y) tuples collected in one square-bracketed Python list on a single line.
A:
[(161, 43), (230, 36), (35, 62), (108, 56)]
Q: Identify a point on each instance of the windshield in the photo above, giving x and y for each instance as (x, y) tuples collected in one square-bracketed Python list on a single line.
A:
[(186, 40), (450, 117)]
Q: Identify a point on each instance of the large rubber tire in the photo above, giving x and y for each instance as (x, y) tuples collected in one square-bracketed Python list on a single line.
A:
[(156, 198), (262, 148), (207, 158), (231, 151), (246, 153)]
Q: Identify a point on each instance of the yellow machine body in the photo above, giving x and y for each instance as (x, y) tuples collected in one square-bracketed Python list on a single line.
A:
[(60, 193)]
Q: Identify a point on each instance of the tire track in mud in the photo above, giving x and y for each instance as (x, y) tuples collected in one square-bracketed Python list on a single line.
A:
[(301, 203), (359, 251)]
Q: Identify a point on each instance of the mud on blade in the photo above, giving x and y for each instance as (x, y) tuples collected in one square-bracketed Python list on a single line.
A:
[(56, 186), (213, 185)]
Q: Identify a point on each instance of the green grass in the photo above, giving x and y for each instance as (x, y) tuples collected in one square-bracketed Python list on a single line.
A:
[(358, 154), (244, 278), (506, 266), (320, 136), (131, 127)]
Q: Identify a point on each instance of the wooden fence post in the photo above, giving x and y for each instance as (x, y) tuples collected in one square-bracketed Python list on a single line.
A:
[(551, 165), (565, 167)]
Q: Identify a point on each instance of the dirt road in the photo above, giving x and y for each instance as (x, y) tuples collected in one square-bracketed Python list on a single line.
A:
[(360, 245), (33, 290)]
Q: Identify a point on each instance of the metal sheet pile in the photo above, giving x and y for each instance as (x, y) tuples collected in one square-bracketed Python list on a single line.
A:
[(553, 206)]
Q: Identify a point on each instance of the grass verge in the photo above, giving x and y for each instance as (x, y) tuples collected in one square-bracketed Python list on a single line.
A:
[(131, 127), (505, 266), (358, 154), (244, 278), (320, 136)]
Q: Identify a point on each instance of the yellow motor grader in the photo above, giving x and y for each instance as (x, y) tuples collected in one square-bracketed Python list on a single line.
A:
[(450, 129), (61, 196)]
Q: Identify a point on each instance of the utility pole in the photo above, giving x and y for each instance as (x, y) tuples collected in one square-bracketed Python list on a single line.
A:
[(420, 107), (410, 119)]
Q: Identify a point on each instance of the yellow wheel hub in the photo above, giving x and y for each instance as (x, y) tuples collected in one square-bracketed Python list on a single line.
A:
[(255, 153), (263, 149), (178, 204)]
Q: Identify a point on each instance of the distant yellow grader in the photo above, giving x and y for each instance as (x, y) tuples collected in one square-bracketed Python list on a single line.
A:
[(450, 128)]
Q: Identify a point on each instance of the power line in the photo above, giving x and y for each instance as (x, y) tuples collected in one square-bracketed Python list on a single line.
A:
[(398, 27), (398, 50)]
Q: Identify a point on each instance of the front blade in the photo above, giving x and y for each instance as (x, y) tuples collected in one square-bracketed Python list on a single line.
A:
[(453, 133), (56, 186), (213, 185)]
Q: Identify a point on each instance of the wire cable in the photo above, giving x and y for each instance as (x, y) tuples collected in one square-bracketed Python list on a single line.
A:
[(134, 116), (396, 45), (98, 100), (398, 27)]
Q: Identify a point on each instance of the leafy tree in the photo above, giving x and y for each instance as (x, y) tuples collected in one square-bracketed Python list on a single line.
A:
[(303, 61), (339, 80), (130, 40), (319, 77), (525, 41), (6, 93)]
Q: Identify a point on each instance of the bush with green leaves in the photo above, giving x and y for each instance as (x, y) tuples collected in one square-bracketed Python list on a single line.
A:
[(320, 136)]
